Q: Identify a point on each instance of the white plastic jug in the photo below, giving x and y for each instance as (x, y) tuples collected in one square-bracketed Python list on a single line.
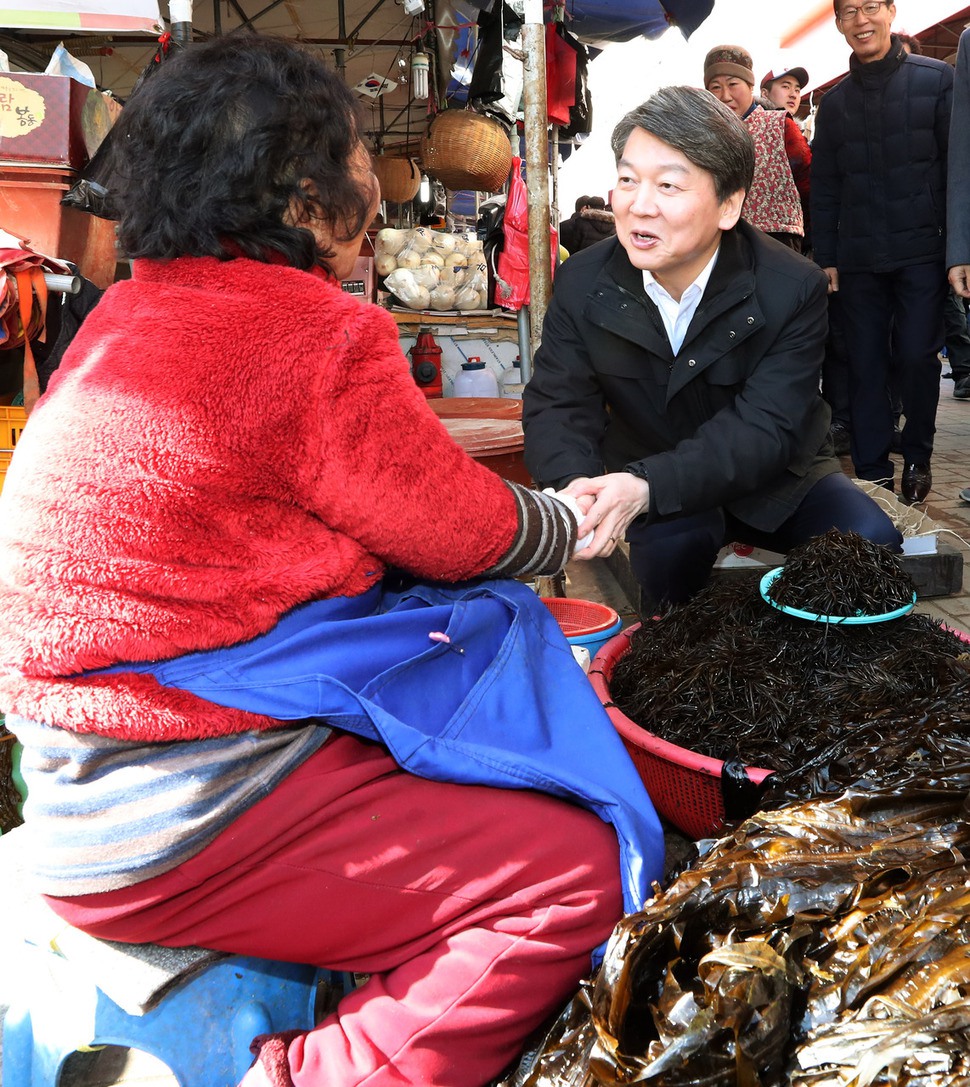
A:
[(475, 379)]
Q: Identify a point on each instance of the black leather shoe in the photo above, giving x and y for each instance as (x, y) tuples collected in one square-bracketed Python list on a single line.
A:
[(916, 482), (839, 433)]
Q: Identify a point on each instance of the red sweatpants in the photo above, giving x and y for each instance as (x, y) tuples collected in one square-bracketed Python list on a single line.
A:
[(473, 909)]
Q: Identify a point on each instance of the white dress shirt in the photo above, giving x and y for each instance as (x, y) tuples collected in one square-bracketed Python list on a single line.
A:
[(676, 315)]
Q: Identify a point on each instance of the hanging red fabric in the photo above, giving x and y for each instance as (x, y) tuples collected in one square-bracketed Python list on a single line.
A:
[(512, 272), (560, 76)]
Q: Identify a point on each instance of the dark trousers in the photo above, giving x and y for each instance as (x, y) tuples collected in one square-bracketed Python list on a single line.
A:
[(904, 309), (672, 559), (835, 366), (474, 926)]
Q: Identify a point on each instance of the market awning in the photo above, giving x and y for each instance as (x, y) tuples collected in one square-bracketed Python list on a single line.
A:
[(93, 16), (370, 41)]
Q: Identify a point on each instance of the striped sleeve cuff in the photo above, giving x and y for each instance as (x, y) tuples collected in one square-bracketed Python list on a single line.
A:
[(545, 537)]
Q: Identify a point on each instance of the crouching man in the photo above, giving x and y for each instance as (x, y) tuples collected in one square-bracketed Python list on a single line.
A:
[(676, 390)]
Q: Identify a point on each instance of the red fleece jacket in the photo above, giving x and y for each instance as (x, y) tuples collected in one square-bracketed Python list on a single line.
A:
[(222, 442)]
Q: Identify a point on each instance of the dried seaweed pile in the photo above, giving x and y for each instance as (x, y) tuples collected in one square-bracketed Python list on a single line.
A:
[(840, 573), (731, 677), (823, 944)]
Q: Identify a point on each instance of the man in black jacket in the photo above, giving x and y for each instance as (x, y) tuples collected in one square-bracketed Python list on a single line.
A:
[(878, 199), (675, 391), (958, 191), (589, 223)]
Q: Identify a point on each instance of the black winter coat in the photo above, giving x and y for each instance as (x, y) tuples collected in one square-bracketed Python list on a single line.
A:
[(586, 228), (734, 420), (879, 157), (958, 193)]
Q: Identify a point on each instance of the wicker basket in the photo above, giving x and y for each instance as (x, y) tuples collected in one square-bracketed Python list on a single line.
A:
[(466, 150), (399, 178)]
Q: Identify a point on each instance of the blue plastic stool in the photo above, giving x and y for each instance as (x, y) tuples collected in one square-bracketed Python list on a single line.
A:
[(201, 1028)]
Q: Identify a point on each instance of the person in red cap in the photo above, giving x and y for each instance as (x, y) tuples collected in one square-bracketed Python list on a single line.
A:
[(778, 197), (784, 89)]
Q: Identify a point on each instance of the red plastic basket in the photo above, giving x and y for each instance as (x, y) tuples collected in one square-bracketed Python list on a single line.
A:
[(685, 787), (577, 618)]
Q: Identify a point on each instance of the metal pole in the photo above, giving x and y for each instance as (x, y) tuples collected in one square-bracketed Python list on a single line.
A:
[(180, 13), (525, 345), (537, 167), (554, 169), (340, 53)]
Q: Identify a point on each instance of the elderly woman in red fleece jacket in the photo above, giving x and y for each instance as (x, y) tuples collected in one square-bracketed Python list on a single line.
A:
[(240, 571)]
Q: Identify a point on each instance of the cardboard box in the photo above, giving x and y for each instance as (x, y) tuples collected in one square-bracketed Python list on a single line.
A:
[(50, 119)]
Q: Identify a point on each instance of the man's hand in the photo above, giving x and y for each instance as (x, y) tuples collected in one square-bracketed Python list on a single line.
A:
[(617, 498), (959, 277), (833, 278)]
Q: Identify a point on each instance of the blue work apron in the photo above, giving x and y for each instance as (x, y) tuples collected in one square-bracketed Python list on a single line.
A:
[(471, 683)]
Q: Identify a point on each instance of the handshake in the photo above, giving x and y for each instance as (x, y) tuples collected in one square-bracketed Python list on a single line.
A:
[(576, 510)]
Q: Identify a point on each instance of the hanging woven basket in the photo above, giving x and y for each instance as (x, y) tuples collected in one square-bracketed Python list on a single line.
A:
[(466, 150), (399, 178)]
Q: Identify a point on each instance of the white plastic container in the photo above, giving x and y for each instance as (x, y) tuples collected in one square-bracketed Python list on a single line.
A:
[(512, 384), (475, 379)]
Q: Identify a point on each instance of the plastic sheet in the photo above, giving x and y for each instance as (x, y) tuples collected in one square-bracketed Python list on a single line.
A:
[(823, 942)]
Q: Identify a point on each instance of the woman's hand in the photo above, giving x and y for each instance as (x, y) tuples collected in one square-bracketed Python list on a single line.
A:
[(611, 503)]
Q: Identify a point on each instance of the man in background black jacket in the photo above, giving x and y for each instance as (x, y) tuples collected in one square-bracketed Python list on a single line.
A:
[(675, 390), (588, 224), (878, 198)]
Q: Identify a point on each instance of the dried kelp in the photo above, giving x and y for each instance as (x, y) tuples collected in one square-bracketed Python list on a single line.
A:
[(826, 942), (842, 573), (729, 676)]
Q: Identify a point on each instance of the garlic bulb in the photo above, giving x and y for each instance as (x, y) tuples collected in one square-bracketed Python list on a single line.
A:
[(385, 264), (443, 298), (391, 241), (421, 239), (452, 276), (467, 298), (402, 284), (445, 242), (427, 275)]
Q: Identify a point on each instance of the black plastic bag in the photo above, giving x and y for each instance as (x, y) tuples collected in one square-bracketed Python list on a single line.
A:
[(494, 29), (92, 192)]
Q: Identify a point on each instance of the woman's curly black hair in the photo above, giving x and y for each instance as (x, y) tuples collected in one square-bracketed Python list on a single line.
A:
[(212, 154)]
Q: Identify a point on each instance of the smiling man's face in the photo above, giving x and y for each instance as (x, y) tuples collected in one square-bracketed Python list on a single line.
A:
[(868, 35), (667, 213)]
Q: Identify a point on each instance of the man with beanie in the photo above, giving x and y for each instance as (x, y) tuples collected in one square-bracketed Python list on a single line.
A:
[(782, 155), (879, 161)]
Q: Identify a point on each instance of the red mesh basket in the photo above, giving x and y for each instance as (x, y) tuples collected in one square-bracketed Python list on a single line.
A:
[(577, 618), (685, 787)]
